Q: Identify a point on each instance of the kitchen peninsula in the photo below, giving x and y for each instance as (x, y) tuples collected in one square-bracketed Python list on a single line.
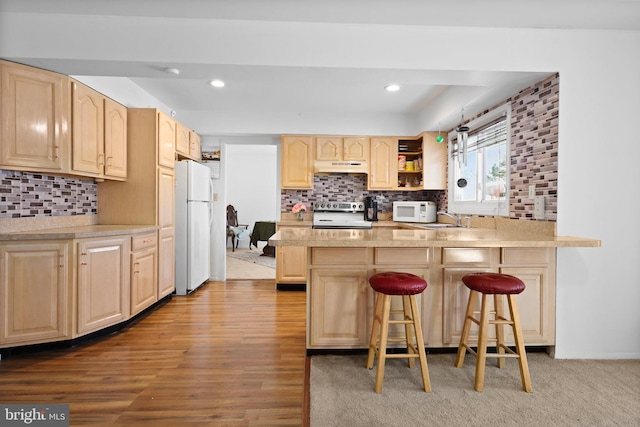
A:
[(340, 261)]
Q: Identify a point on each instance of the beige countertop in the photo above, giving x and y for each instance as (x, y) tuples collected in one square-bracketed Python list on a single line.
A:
[(80, 232), (408, 237)]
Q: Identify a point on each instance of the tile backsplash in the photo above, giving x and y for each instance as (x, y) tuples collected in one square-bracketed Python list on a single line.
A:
[(24, 194), (344, 187)]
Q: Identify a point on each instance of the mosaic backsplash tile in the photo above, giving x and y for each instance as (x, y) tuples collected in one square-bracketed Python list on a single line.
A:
[(24, 194), (349, 188)]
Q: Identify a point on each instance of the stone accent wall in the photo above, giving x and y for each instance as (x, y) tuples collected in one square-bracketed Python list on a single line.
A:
[(24, 194), (349, 188)]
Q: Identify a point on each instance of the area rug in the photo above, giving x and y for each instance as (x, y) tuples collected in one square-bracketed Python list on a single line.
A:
[(565, 393), (254, 256)]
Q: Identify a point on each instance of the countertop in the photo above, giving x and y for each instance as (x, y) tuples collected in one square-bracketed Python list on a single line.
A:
[(407, 237), (80, 232)]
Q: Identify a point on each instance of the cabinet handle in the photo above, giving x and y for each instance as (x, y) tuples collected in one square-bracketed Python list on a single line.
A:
[(61, 264), (55, 152), (135, 265), (109, 161), (100, 159)]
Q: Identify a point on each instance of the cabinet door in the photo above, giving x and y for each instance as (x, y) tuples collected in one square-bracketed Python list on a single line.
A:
[(328, 148), (291, 264), (167, 262), (536, 306), (144, 283), (194, 146), (355, 148), (35, 114), (103, 283), (115, 139), (297, 162), (182, 139), (339, 300), (434, 158), (383, 164), (166, 140), (34, 292), (166, 198), (88, 130)]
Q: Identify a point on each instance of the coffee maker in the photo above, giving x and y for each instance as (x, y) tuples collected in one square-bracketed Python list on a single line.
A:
[(370, 209)]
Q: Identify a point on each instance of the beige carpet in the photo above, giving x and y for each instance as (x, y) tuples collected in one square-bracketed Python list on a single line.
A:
[(565, 393)]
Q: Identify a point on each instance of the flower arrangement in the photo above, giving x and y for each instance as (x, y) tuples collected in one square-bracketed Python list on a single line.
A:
[(299, 208)]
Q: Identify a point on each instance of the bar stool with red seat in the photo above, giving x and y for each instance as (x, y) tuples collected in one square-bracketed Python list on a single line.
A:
[(497, 285), (408, 286)]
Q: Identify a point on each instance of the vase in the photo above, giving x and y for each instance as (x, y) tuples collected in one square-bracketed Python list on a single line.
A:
[(300, 216)]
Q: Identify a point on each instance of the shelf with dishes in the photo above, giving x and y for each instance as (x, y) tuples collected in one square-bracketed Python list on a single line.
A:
[(410, 163)]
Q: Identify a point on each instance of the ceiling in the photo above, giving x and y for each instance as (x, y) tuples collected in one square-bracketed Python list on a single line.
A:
[(257, 48)]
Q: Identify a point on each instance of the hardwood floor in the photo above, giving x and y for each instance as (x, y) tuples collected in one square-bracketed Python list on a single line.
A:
[(231, 354)]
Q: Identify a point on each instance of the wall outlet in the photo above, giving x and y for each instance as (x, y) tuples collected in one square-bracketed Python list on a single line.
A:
[(532, 191), (538, 207)]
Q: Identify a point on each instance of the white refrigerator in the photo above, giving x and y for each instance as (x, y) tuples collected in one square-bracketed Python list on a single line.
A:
[(193, 225)]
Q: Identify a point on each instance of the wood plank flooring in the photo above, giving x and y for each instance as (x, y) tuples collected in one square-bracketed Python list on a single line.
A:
[(231, 354)]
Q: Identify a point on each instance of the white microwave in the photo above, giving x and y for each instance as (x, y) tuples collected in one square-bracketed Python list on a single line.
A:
[(415, 211)]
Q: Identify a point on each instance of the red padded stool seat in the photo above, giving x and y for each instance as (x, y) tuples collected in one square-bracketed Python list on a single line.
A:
[(498, 285), (390, 283), (407, 286), (492, 283)]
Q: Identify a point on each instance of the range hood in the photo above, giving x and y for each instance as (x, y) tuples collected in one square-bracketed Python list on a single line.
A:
[(348, 166)]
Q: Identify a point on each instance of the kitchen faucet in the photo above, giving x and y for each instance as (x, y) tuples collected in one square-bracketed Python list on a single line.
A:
[(456, 217)]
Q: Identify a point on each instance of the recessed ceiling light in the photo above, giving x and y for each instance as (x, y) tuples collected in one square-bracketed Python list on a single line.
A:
[(392, 88), (216, 83), (174, 71)]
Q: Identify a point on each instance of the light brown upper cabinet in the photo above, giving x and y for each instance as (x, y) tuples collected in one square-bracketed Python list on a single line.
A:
[(338, 148), (166, 140), (383, 165), (194, 146), (35, 115), (187, 143), (297, 162), (434, 173), (99, 134), (115, 139)]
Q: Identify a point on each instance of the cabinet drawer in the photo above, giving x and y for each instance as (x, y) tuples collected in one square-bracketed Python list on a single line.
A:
[(402, 256), (143, 241), (527, 256), (339, 256), (466, 256)]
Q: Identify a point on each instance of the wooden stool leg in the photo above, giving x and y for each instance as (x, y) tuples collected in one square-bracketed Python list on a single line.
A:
[(375, 330), (466, 328), (420, 343), (408, 334), (382, 352), (497, 303), (482, 344), (517, 333)]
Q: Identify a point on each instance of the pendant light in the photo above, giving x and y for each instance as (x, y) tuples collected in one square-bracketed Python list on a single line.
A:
[(463, 135), (439, 138)]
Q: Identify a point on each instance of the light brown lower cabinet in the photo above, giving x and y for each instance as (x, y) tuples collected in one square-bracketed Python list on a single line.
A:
[(144, 265), (34, 292), (340, 299), (291, 262), (102, 283)]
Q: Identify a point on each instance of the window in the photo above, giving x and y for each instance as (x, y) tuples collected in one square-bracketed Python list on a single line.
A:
[(481, 185)]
